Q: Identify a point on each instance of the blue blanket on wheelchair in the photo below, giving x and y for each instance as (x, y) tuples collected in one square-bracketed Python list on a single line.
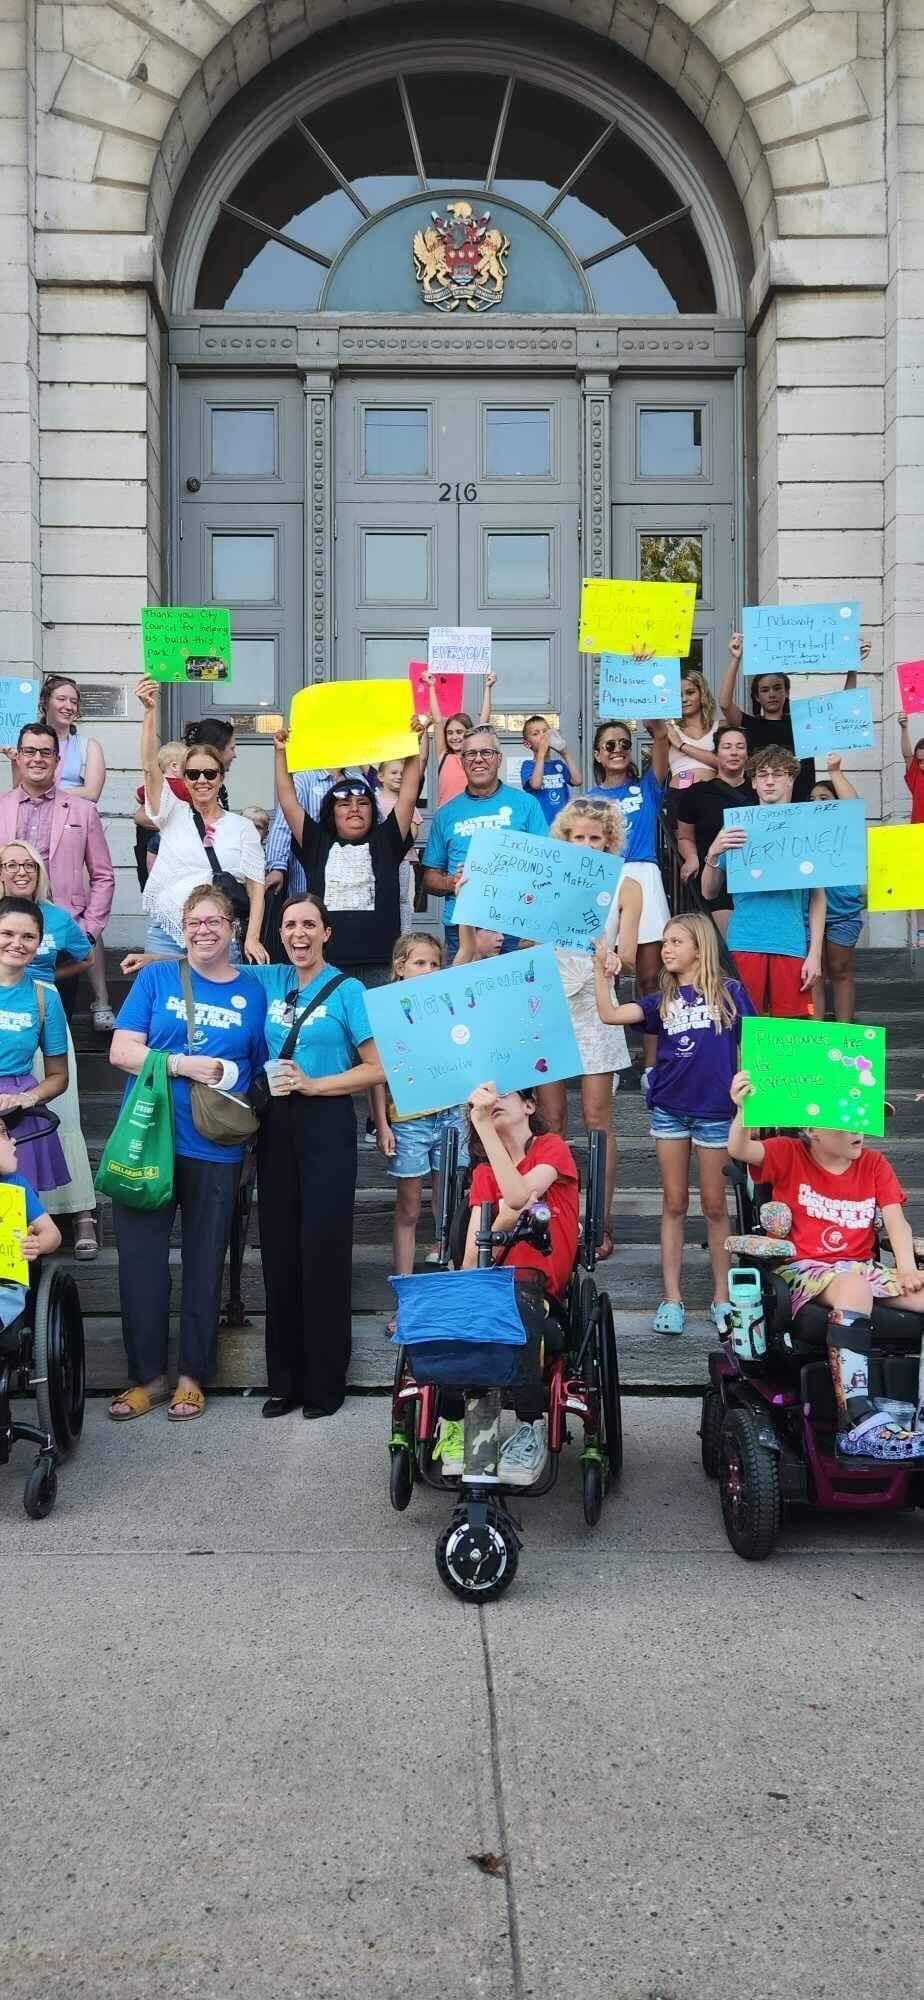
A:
[(476, 1306)]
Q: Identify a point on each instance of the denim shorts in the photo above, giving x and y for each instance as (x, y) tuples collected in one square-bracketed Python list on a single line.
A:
[(845, 932), (711, 1133), (417, 1144)]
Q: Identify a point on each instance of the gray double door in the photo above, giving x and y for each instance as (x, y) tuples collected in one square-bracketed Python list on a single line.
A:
[(455, 501)]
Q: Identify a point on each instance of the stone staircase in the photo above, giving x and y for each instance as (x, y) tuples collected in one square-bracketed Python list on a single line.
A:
[(889, 994)]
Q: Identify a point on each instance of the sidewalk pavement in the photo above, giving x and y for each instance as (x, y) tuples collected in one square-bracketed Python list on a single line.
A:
[(251, 1743)]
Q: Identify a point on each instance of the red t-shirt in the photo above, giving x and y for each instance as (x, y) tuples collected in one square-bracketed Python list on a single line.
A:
[(563, 1200), (832, 1214), (177, 785), (914, 779)]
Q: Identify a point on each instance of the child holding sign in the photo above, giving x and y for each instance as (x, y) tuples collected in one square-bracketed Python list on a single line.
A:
[(41, 1237), (776, 935), (448, 735), (412, 1145), (832, 1186), (696, 1018)]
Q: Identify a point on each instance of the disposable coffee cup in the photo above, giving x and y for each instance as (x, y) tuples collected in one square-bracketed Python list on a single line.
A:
[(274, 1077)]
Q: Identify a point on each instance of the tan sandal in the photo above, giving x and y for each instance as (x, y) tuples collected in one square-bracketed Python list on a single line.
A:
[(191, 1394), (140, 1403)]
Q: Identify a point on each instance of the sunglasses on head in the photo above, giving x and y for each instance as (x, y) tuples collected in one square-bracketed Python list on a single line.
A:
[(343, 792), (617, 743), (208, 771)]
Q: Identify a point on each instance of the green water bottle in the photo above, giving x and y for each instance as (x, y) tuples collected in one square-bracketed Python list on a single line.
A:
[(746, 1326)]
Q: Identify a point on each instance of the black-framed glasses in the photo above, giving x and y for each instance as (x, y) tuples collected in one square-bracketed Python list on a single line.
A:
[(342, 792), (207, 771), (478, 756), (617, 743), (35, 750)]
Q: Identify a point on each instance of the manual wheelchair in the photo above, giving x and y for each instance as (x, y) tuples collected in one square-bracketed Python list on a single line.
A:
[(477, 1554), (769, 1417), (42, 1355)]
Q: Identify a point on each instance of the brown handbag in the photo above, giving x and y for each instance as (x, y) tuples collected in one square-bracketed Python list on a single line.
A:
[(226, 1120)]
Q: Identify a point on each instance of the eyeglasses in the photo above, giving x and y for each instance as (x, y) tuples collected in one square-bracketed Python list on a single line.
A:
[(19, 867), (343, 792), (479, 756), (28, 752), (617, 743), (194, 924), (204, 771)]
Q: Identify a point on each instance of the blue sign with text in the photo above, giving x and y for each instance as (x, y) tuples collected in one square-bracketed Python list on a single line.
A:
[(639, 687), (819, 845), (800, 638), (500, 1020), (826, 722), (529, 887)]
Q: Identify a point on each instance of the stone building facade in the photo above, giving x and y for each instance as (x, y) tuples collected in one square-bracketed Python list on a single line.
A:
[(791, 314)]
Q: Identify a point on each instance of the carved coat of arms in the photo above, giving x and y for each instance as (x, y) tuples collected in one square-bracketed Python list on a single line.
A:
[(459, 259)]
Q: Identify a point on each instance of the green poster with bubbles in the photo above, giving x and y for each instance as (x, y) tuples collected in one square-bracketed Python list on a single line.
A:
[(814, 1073), (186, 642)]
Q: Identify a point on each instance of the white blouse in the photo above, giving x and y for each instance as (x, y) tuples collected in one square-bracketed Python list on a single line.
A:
[(181, 862)]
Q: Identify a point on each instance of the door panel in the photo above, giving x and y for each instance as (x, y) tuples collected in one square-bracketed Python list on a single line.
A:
[(684, 545)]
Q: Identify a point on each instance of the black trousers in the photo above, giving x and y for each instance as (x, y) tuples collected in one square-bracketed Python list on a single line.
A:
[(204, 1191), (306, 1164)]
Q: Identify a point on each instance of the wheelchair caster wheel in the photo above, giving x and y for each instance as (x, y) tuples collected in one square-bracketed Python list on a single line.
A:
[(477, 1563), (592, 1483), (401, 1481), (40, 1491), (710, 1430)]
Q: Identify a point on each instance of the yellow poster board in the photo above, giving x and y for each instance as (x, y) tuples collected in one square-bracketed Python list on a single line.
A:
[(895, 868), (13, 1267), (624, 617), (350, 722)]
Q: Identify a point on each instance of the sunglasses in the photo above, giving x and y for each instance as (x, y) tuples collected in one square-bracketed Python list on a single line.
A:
[(343, 792), (207, 771), (616, 743)]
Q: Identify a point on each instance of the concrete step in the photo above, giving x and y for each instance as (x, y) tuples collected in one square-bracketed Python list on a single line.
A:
[(647, 1361)]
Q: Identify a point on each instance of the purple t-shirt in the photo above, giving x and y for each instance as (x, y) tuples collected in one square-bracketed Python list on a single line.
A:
[(694, 1065)]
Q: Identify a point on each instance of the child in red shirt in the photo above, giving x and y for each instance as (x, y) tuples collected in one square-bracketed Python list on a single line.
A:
[(833, 1186), (518, 1165)]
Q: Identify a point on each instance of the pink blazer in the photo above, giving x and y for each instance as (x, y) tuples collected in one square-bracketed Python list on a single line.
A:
[(80, 871)]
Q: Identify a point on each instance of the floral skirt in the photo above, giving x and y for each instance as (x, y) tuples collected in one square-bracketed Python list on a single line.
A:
[(809, 1277)]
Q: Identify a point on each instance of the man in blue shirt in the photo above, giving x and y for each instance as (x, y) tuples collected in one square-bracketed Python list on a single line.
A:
[(485, 802)]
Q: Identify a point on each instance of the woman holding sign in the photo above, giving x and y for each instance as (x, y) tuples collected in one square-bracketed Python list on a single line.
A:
[(770, 721)]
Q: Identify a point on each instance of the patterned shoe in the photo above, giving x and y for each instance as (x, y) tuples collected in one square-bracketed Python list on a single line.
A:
[(881, 1441)]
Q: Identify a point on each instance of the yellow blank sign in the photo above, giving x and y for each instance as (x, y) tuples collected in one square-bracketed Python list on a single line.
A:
[(895, 868), (623, 617), (350, 722), (13, 1267)]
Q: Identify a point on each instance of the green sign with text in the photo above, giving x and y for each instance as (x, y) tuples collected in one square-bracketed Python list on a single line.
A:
[(186, 642)]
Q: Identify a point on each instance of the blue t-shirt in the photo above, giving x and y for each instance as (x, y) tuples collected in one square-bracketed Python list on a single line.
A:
[(775, 921), (13, 1296), (230, 1016), (844, 906), (641, 803), (20, 1031), (452, 827), (556, 785), (329, 1041), (694, 1064), (61, 934)]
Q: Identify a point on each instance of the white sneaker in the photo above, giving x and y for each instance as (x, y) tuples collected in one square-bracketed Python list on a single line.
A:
[(523, 1457)]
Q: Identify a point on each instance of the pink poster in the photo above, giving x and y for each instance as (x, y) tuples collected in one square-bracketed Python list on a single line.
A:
[(448, 690), (911, 686)]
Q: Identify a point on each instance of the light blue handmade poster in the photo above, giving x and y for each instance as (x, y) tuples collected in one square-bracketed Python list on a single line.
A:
[(826, 722), (531, 887), (821, 845), (18, 705), (801, 638), (639, 687), (502, 1020)]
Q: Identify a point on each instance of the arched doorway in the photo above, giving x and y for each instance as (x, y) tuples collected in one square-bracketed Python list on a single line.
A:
[(375, 431)]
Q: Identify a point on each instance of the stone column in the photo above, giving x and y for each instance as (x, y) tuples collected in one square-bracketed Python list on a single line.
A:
[(20, 576), (904, 378)]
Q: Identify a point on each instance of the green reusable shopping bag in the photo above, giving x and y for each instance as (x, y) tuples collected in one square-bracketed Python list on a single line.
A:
[(137, 1164)]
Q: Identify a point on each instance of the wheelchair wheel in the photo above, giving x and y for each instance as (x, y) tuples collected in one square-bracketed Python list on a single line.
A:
[(749, 1487), (477, 1564), (40, 1491), (610, 1400), (58, 1358), (710, 1429)]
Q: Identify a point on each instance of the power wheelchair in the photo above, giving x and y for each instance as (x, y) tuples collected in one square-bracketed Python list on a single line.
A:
[(769, 1417), (477, 1554), (42, 1355)]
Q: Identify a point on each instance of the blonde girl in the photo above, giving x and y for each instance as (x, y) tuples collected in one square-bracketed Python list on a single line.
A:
[(696, 1015), (596, 823), (692, 740), (412, 1145)]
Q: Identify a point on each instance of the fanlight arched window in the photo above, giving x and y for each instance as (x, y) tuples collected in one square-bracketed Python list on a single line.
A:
[(286, 234)]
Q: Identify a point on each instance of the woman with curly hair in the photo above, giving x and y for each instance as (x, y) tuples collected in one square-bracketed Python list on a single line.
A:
[(598, 824)]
